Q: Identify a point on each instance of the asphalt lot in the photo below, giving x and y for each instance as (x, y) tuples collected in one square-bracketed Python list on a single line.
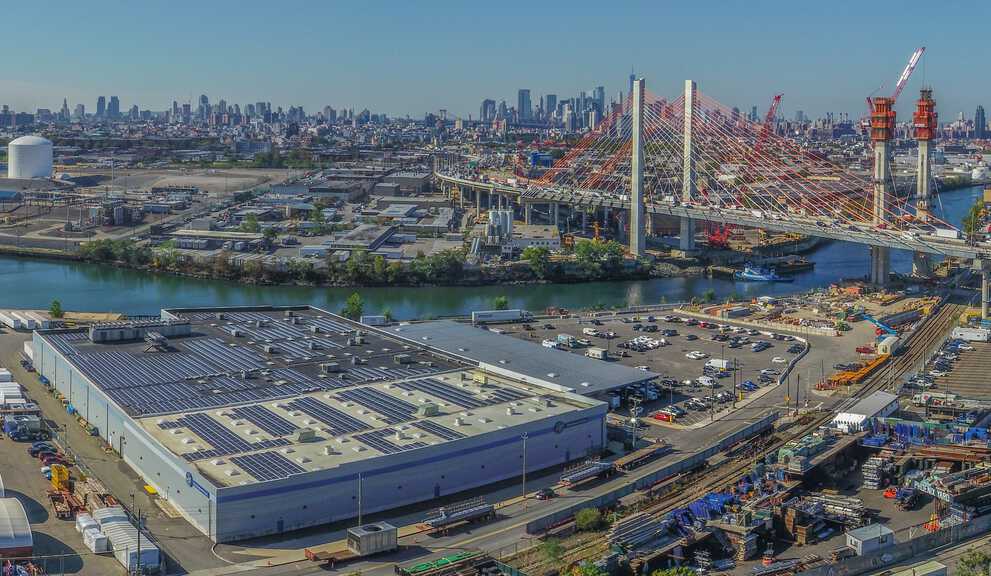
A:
[(969, 376), (670, 360)]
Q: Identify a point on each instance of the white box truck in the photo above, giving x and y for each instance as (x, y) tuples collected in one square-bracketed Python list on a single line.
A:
[(719, 363), (948, 233), (597, 353)]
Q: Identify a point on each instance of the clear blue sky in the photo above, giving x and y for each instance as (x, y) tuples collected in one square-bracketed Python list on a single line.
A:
[(409, 57)]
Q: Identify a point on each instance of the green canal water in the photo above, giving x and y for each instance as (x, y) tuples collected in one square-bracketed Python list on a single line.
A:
[(33, 283)]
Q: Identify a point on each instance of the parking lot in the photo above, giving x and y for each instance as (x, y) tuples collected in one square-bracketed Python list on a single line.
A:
[(678, 348), (966, 371)]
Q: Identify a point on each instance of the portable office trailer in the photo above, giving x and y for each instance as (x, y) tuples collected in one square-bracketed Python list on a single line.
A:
[(127, 548)]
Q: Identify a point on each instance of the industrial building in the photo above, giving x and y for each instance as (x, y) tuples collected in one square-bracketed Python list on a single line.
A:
[(260, 420), (526, 361)]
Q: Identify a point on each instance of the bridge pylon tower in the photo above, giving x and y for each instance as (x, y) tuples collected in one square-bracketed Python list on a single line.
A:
[(882, 129), (924, 122), (688, 169), (636, 173)]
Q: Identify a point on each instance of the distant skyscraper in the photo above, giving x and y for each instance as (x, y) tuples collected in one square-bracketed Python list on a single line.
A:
[(80, 112), (204, 109), (64, 112), (633, 78), (753, 114), (980, 124), (487, 111), (523, 105), (550, 105), (101, 107), (599, 95), (113, 109)]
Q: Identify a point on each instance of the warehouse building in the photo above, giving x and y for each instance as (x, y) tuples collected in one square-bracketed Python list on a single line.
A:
[(521, 360), (255, 421)]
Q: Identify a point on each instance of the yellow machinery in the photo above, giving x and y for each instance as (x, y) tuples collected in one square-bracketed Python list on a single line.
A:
[(60, 477)]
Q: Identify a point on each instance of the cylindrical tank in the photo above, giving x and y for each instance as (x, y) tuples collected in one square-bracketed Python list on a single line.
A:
[(29, 157)]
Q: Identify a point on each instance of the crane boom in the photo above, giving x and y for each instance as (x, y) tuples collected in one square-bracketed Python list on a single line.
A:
[(907, 72), (765, 128)]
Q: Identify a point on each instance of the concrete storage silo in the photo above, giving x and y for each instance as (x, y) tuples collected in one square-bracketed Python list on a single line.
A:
[(29, 157)]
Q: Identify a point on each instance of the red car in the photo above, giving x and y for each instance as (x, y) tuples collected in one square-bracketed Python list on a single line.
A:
[(53, 459)]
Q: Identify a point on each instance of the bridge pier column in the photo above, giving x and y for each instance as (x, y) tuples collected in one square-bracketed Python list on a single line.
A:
[(461, 197), (528, 212), (880, 265), (921, 265), (478, 201), (555, 207)]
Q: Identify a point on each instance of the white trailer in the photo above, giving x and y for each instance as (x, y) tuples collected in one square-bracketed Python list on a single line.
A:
[(719, 363), (485, 316), (971, 334), (948, 233)]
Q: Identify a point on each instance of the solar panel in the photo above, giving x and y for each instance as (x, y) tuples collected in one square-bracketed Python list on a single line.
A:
[(223, 442), (458, 396), (265, 419), (225, 357), (377, 439), (431, 427), (339, 422), (393, 409), (267, 465)]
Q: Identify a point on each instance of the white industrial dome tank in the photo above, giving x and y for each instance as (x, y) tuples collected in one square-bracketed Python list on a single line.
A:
[(29, 157)]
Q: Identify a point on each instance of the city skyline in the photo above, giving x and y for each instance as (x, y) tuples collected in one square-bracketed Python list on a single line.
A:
[(818, 57)]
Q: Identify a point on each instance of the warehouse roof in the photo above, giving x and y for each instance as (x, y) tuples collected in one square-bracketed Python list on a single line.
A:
[(527, 361), (15, 531), (873, 404), (262, 393)]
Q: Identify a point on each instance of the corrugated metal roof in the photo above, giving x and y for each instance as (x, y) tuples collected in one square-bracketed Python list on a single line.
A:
[(15, 531), (873, 404), (531, 361)]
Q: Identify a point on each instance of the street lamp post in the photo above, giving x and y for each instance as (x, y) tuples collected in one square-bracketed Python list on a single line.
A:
[(523, 437)]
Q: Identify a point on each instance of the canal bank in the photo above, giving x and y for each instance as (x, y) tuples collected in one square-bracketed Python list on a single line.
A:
[(33, 283)]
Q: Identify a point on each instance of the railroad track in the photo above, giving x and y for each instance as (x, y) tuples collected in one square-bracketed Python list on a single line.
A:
[(921, 345)]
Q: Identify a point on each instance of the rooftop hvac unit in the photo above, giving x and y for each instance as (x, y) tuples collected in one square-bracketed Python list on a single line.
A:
[(306, 435), (236, 333), (294, 320), (311, 345), (289, 314), (428, 409), (270, 349), (402, 359), (330, 367), (315, 329), (219, 315)]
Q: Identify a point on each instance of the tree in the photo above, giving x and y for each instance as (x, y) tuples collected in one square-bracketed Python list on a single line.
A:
[(354, 307), (588, 519), (587, 568), (500, 303), (538, 257), (552, 550), (388, 314), (973, 563), (972, 220), (709, 295), (55, 310), (250, 224), (270, 234), (676, 571)]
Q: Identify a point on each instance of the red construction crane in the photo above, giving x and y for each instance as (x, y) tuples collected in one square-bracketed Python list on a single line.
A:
[(766, 127)]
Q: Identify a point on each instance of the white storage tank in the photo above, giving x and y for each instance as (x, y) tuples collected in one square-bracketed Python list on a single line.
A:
[(29, 157)]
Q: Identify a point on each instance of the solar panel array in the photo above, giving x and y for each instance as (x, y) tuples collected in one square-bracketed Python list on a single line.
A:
[(330, 325), (224, 442), (377, 439), (393, 409), (267, 465), (265, 419), (338, 422), (460, 397), (228, 357), (431, 427)]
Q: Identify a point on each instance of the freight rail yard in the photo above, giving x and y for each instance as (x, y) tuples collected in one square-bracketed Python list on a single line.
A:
[(234, 424)]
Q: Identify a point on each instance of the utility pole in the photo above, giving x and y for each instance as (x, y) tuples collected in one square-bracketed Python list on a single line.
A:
[(139, 542)]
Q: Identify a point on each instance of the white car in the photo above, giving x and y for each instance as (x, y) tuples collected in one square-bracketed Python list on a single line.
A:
[(707, 381), (779, 360), (965, 347), (937, 373), (696, 355)]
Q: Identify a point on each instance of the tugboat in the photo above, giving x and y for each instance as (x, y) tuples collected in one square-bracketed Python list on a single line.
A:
[(753, 273)]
